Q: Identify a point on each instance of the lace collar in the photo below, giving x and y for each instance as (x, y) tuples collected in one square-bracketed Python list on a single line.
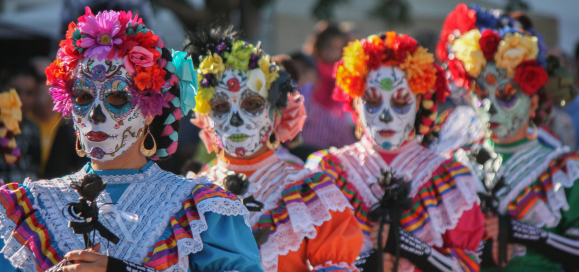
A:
[(120, 176)]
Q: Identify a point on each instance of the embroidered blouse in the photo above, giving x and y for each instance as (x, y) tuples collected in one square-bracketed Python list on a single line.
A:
[(308, 217), (445, 212), (183, 224)]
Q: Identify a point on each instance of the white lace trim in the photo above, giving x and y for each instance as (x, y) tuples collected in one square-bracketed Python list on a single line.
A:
[(276, 175), (462, 127), (344, 265), (361, 164), (19, 255)]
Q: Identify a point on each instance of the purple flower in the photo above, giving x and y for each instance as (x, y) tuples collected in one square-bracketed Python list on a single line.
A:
[(253, 59), (150, 102), (208, 80), (103, 34), (220, 48), (98, 72), (97, 153)]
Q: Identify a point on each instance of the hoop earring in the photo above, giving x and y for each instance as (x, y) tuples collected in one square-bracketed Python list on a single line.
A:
[(274, 145), (535, 131), (148, 152), (359, 129), (80, 152)]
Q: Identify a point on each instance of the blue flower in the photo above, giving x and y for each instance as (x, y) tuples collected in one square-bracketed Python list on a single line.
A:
[(485, 18)]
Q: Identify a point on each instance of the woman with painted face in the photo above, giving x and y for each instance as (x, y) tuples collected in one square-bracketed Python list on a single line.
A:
[(246, 106), (125, 93), (417, 209), (528, 184)]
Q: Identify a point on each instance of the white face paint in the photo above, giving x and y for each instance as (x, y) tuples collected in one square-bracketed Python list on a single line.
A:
[(501, 101), (388, 107), (241, 118), (105, 119)]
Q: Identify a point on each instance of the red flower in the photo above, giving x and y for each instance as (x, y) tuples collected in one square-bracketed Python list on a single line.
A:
[(143, 80), (148, 40), (461, 19), (374, 54), (56, 71), (441, 86), (400, 45), (531, 77), (489, 42), (441, 52), (233, 84), (459, 76)]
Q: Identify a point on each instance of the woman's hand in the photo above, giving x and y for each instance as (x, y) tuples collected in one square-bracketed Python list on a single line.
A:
[(492, 230), (374, 234), (86, 260)]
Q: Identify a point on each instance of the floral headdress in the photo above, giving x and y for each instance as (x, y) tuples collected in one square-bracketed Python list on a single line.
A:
[(470, 38), (116, 35), (214, 49), (424, 76)]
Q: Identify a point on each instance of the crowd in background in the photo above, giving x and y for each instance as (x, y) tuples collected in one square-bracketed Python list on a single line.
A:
[(47, 140)]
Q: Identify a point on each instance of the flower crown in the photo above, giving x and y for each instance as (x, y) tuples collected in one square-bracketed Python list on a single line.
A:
[(115, 35), (214, 50), (471, 38)]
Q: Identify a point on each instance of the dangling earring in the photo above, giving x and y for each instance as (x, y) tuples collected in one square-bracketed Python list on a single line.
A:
[(359, 129), (535, 131), (275, 144), (80, 151), (148, 152)]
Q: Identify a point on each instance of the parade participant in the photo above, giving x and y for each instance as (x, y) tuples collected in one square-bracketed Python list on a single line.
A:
[(125, 93), (392, 86), (246, 106), (528, 181)]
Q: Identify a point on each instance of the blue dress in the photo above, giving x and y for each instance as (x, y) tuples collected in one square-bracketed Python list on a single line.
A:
[(164, 221)]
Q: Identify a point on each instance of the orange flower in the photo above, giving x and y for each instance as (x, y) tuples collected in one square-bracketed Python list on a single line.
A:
[(151, 77), (355, 58), (55, 71), (351, 84), (143, 80), (420, 71)]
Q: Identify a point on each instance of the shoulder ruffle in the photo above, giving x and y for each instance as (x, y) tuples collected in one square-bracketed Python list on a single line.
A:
[(540, 202), (188, 224), (439, 200), (302, 203), (29, 245), (459, 127)]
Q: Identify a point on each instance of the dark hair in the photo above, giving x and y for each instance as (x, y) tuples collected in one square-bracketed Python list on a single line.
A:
[(162, 132), (322, 39), (303, 58)]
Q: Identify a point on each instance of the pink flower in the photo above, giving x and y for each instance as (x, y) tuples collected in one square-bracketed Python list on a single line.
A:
[(104, 34), (140, 56), (61, 96)]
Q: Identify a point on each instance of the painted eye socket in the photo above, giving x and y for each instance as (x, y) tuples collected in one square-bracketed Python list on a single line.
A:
[(401, 101), (84, 99), (507, 96), (372, 100), (253, 105), (481, 93), (220, 107), (117, 99)]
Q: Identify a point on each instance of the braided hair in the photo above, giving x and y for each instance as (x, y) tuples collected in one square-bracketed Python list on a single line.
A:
[(165, 127)]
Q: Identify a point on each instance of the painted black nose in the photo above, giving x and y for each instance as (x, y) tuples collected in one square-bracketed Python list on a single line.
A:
[(386, 117), (236, 120), (97, 116), (492, 109)]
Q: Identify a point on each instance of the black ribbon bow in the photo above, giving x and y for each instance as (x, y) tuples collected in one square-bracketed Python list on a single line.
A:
[(389, 209), (85, 212)]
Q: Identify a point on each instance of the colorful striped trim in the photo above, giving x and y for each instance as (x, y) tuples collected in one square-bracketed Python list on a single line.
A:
[(165, 252), (537, 191), (30, 230), (468, 260)]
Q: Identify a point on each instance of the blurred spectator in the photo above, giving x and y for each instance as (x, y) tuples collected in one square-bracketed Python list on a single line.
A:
[(22, 77), (57, 136), (308, 75), (326, 124), (572, 104)]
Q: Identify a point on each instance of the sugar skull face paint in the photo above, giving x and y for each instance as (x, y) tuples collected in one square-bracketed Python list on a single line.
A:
[(104, 117), (500, 99), (241, 118), (388, 107)]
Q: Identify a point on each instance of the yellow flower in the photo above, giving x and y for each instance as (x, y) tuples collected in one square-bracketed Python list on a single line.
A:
[(271, 75), (420, 71), (202, 100), (467, 49), (212, 65), (10, 110), (355, 59), (514, 49)]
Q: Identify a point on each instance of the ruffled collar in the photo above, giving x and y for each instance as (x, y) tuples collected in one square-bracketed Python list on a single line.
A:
[(246, 166), (512, 148), (118, 176)]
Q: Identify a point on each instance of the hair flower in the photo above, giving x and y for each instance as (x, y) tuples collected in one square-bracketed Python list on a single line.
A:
[(489, 42), (467, 49), (257, 82), (212, 64), (420, 73), (530, 76), (102, 34), (270, 71), (240, 55), (514, 49), (10, 112)]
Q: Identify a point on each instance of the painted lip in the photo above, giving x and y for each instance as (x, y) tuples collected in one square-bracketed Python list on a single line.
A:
[(493, 125), (387, 133), (96, 136), (238, 138)]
